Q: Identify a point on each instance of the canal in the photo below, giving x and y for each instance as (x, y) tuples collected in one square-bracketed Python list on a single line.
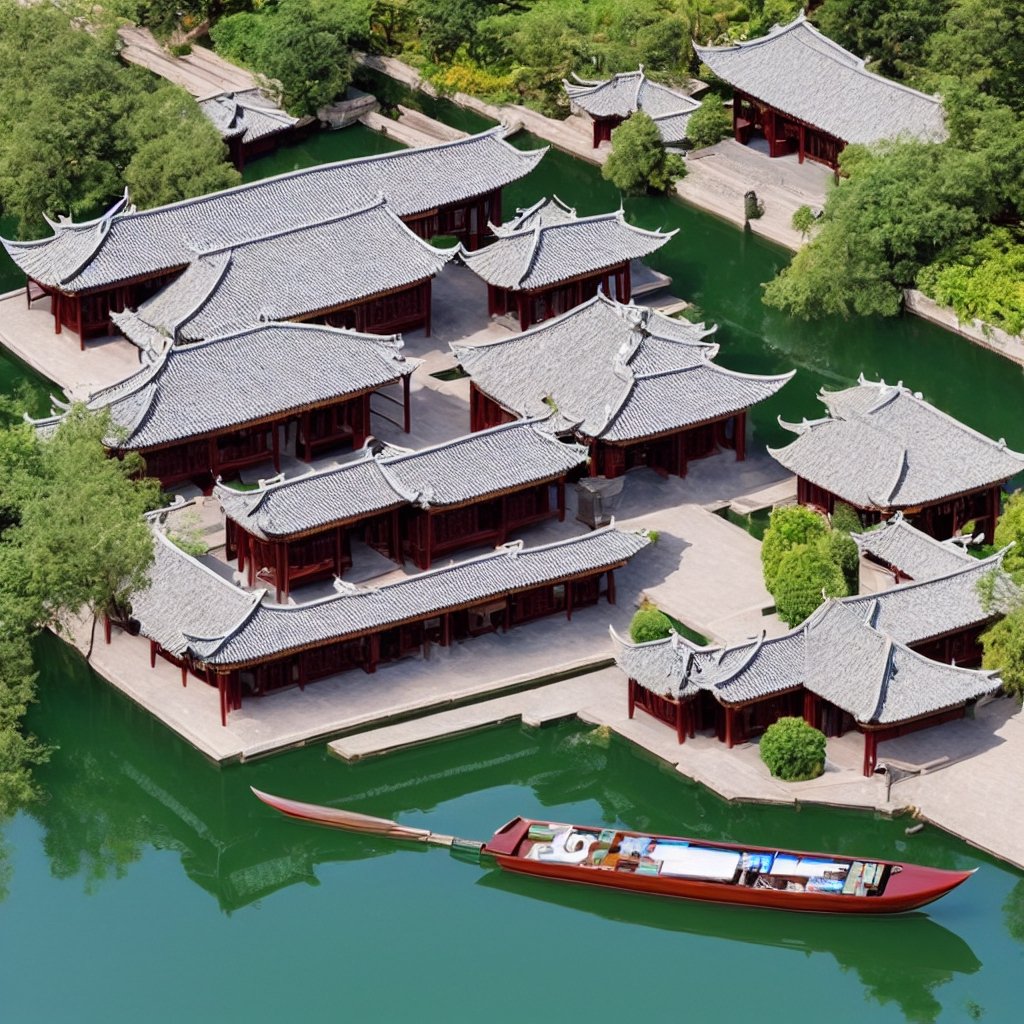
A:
[(150, 883)]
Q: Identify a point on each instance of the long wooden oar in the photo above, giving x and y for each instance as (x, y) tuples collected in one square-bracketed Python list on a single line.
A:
[(352, 821)]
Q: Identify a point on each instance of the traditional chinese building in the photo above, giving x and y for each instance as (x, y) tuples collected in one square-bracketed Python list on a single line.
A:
[(363, 269), (610, 101), (883, 449), (547, 260), (210, 409), (841, 669), (805, 94), (243, 644), (115, 262), (468, 492), (637, 387), (252, 125)]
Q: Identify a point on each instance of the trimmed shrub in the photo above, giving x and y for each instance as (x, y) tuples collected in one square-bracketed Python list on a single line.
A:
[(639, 162), (806, 574), (649, 624), (845, 518), (788, 527), (844, 553), (793, 750)]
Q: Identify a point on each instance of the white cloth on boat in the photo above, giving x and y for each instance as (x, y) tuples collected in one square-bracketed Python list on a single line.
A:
[(694, 862)]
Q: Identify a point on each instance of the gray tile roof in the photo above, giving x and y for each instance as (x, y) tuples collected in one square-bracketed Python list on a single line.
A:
[(799, 71), (545, 211), (248, 114), (840, 653), (922, 609), (877, 680), (913, 552), (186, 598), (290, 273), (624, 94), (466, 469), (613, 371), (125, 243), (267, 630), (551, 250), (883, 446), (248, 376)]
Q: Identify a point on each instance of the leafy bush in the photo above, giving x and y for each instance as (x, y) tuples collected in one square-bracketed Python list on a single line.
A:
[(475, 82), (845, 518), (793, 750), (709, 124), (806, 574), (181, 49), (803, 220), (639, 162), (1010, 529), (986, 283), (788, 527), (845, 555), (1003, 646), (649, 624)]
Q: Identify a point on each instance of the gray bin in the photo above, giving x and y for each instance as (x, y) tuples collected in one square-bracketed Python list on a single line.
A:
[(596, 498)]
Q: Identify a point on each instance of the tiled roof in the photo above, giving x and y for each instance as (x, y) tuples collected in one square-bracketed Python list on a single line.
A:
[(186, 598), (547, 251), (840, 653), (624, 94), (266, 630), (883, 446), (466, 469), (799, 71), (920, 610), (912, 552), (545, 211), (287, 274), (125, 243), (248, 376), (613, 371), (248, 114)]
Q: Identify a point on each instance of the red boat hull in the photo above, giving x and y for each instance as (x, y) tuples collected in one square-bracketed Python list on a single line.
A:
[(908, 887)]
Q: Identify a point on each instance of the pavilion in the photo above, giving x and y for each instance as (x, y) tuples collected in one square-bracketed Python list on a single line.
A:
[(845, 667), (362, 269), (468, 492), (610, 101), (252, 125), (241, 643), (807, 95), (99, 267), (547, 260), (883, 449), (200, 411), (637, 387)]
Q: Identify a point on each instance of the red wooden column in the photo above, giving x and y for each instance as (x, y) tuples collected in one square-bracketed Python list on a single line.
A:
[(801, 143), (740, 435), (870, 751), (496, 206), (611, 586), (627, 284), (729, 724), (223, 695), (153, 648), (407, 416), (213, 455), (560, 486), (632, 697), (184, 675), (55, 303), (106, 629), (681, 721)]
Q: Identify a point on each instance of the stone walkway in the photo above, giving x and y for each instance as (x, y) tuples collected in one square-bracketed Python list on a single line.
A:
[(28, 334)]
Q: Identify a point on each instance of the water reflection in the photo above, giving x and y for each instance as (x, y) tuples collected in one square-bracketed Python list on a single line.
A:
[(903, 960)]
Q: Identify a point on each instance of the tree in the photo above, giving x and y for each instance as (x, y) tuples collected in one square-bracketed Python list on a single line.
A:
[(903, 205), (1010, 530), (788, 527), (793, 750), (842, 551), (844, 517), (709, 124), (639, 162), (1003, 646), (806, 576), (649, 624), (803, 220)]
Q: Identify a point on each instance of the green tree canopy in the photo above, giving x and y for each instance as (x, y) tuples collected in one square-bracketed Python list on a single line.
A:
[(710, 123), (639, 162), (1003, 647), (806, 576), (788, 527), (1010, 530)]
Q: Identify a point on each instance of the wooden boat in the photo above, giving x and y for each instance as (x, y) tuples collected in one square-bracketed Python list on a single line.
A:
[(756, 876)]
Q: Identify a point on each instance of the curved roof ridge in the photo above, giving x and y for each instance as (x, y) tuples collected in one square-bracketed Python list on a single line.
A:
[(386, 340)]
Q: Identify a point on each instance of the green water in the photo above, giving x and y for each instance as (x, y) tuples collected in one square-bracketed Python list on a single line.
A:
[(151, 885)]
